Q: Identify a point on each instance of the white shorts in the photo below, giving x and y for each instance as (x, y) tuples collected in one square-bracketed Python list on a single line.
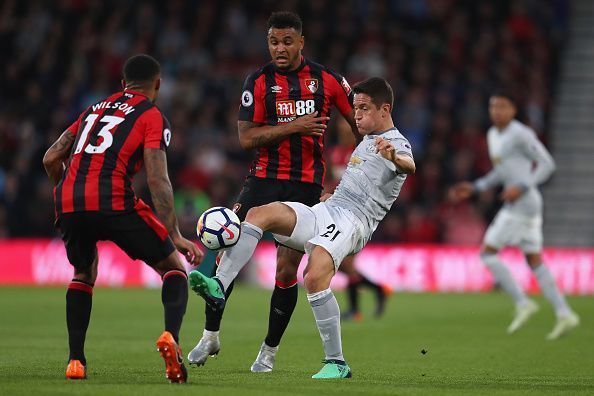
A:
[(335, 229), (508, 229)]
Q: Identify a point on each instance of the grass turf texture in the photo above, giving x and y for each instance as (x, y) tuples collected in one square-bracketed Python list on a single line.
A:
[(467, 350)]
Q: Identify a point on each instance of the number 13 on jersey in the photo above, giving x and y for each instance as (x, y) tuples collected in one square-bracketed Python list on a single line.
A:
[(105, 133)]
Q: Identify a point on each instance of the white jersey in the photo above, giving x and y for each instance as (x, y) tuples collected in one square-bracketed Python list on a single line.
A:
[(371, 183), (514, 151)]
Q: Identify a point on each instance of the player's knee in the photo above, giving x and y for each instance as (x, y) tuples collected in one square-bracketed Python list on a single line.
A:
[(317, 279), (258, 215), (488, 258), (311, 282), (286, 274), (171, 262), (266, 216), (534, 260), (87, 275), (488, 249)]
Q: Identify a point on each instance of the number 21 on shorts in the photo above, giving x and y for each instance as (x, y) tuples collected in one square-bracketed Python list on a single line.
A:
[(331, 232)]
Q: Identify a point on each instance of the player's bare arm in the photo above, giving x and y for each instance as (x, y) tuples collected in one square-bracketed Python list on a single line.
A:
[(155, 161), (461, 191), (53, 160), (402, 161), (350, 118), (253, 135), (325, 196)]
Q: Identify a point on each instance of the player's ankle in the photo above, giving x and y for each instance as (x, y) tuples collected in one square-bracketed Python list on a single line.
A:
[(210, 335)]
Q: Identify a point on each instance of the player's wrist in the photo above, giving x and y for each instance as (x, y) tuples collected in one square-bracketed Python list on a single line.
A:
[(523, 187)]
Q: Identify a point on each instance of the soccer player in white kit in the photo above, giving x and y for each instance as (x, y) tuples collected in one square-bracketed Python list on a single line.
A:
[(514, 149), (333, 229)]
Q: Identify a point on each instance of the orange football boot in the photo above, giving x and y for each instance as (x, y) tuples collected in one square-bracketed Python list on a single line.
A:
[(76, 370), (175, 371)]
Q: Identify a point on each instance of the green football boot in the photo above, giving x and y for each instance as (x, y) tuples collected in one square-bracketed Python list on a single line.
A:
[(210, 289), (333, 369)]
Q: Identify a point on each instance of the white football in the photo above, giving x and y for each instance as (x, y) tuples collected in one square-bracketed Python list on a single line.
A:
[(218, 228)]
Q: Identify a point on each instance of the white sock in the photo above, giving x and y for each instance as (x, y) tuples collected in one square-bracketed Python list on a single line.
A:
[(210, 335), (235, 258), (549, 289), (327, 314), (504, 277)]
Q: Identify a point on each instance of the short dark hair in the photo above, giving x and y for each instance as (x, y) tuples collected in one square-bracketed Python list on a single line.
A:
[(378, 89), (141, 68), (507, 94), (284, 20)]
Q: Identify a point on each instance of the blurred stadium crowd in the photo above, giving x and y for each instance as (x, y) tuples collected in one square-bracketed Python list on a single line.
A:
[(442, 57)]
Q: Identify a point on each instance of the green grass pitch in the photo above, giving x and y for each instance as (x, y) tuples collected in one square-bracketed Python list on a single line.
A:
[(464, 336)]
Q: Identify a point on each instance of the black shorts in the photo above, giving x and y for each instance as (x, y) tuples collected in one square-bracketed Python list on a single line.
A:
[(258, 191), (137, 232)]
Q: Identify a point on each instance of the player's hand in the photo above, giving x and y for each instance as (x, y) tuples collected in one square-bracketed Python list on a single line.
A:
[(461, 191), (189, 249), (511, 193), (385, 148), (325, 196), (310, 124)]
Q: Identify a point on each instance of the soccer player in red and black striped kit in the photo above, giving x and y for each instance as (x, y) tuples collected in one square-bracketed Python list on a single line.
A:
[(284, 111), (92, 165)]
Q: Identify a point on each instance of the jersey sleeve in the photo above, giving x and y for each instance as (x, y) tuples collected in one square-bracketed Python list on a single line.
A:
[(157, 130), (490, 180), (252, 107), (402, 146), (537, 152), (74, 127), (341, 93)]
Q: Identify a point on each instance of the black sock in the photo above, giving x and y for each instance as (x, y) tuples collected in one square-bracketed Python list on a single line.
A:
[(353, 293), (282, 305), (174, 295), (214, 317), (79, 301), (372, 285)]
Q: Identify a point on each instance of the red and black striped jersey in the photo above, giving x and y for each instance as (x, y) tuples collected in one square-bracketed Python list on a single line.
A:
[(110, 138), (272, 96)]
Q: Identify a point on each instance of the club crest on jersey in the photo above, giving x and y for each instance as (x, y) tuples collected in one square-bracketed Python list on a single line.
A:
[(312, 84), (285, 108), (355, 160)]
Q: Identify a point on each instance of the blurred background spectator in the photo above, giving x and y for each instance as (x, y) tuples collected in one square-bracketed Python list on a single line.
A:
[(443, 58)]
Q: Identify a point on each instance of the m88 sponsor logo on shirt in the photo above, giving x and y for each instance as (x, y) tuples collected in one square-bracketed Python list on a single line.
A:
[(288, 110)]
